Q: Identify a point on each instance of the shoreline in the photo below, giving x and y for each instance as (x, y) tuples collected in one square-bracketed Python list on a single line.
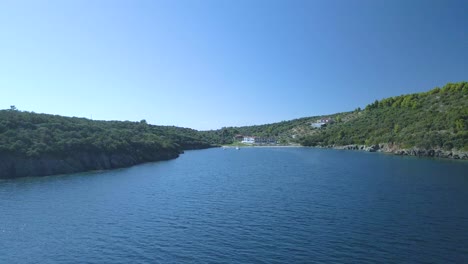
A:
[(414, 151), (391, 149), (382, 148), (14, 167), (264, 146)]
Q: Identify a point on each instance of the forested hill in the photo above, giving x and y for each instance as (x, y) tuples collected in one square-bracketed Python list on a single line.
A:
[(433, 120), (40, 144), (286, 132), (437, 119), (283, 131)]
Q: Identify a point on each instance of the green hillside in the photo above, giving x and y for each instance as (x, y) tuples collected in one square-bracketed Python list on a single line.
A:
[(31, 134), (434, 119), (39, 144), (286, 132), (281, 130)]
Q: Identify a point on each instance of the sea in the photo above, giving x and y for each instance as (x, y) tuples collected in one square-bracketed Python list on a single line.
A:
[(252, 205)]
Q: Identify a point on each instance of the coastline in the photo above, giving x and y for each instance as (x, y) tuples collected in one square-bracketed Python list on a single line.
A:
[(14, 166), (17, 167), (396, 150), (383, 148), (264, 146)]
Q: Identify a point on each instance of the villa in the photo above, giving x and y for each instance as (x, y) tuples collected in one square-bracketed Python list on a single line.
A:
[(322, 122), (259, 140), (248, 140)]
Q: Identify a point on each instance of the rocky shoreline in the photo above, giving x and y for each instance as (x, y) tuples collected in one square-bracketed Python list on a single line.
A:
[(419, 152), (16, 166)]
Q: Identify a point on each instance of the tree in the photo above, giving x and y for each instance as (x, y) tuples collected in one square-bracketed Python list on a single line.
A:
[(338, 118), (396, 129), (459, 125)]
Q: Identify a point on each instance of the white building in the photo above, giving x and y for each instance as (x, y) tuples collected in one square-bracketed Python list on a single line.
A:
[(322, 122), (248, 140), (259, 140)]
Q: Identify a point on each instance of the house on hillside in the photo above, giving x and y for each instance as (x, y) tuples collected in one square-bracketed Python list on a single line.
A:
[(322, 122), (259, 140), (248, 140)]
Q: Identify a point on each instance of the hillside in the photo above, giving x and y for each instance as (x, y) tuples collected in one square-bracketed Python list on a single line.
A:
[(39, 144), (429, 121), (286, 132), (437, 119)]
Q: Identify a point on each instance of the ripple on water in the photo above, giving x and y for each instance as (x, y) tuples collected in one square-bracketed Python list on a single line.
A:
[(275, 205)]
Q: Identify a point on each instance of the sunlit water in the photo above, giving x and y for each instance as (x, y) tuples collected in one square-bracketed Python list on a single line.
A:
[(254, 205)]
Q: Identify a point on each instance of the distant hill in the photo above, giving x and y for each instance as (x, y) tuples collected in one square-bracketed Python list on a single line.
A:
[(286, 132), (40, 144), (434, 120)]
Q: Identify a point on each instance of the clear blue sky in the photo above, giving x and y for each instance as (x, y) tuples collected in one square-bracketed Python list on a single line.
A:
[(207, 64)]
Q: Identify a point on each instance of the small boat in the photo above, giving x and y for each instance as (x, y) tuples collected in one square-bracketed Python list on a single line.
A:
[(237, 148)]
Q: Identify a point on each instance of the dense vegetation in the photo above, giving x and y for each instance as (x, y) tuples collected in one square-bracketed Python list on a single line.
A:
[(226, 135), (438, 118), (434, 119), (32, 135), (284, 131), (41, 144)]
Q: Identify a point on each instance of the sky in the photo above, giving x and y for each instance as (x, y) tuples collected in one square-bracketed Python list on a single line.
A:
[(207, 64)]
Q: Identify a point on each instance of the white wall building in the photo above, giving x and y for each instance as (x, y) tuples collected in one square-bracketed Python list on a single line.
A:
[(248, 140), (259, 140), (321, 122)]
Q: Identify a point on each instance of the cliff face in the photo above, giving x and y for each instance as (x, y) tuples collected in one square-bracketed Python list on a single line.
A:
[(12, 166)]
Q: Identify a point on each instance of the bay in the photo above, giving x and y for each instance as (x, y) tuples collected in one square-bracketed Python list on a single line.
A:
[(253, 205)]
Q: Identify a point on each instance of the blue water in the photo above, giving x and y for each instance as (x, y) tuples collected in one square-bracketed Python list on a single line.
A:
[(254, 205)]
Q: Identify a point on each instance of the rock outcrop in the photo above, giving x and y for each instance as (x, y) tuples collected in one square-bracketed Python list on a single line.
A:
[(12, 166), (391, 148)]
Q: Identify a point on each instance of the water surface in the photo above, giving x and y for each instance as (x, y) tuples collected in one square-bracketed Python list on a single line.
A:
[(254, 205)]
